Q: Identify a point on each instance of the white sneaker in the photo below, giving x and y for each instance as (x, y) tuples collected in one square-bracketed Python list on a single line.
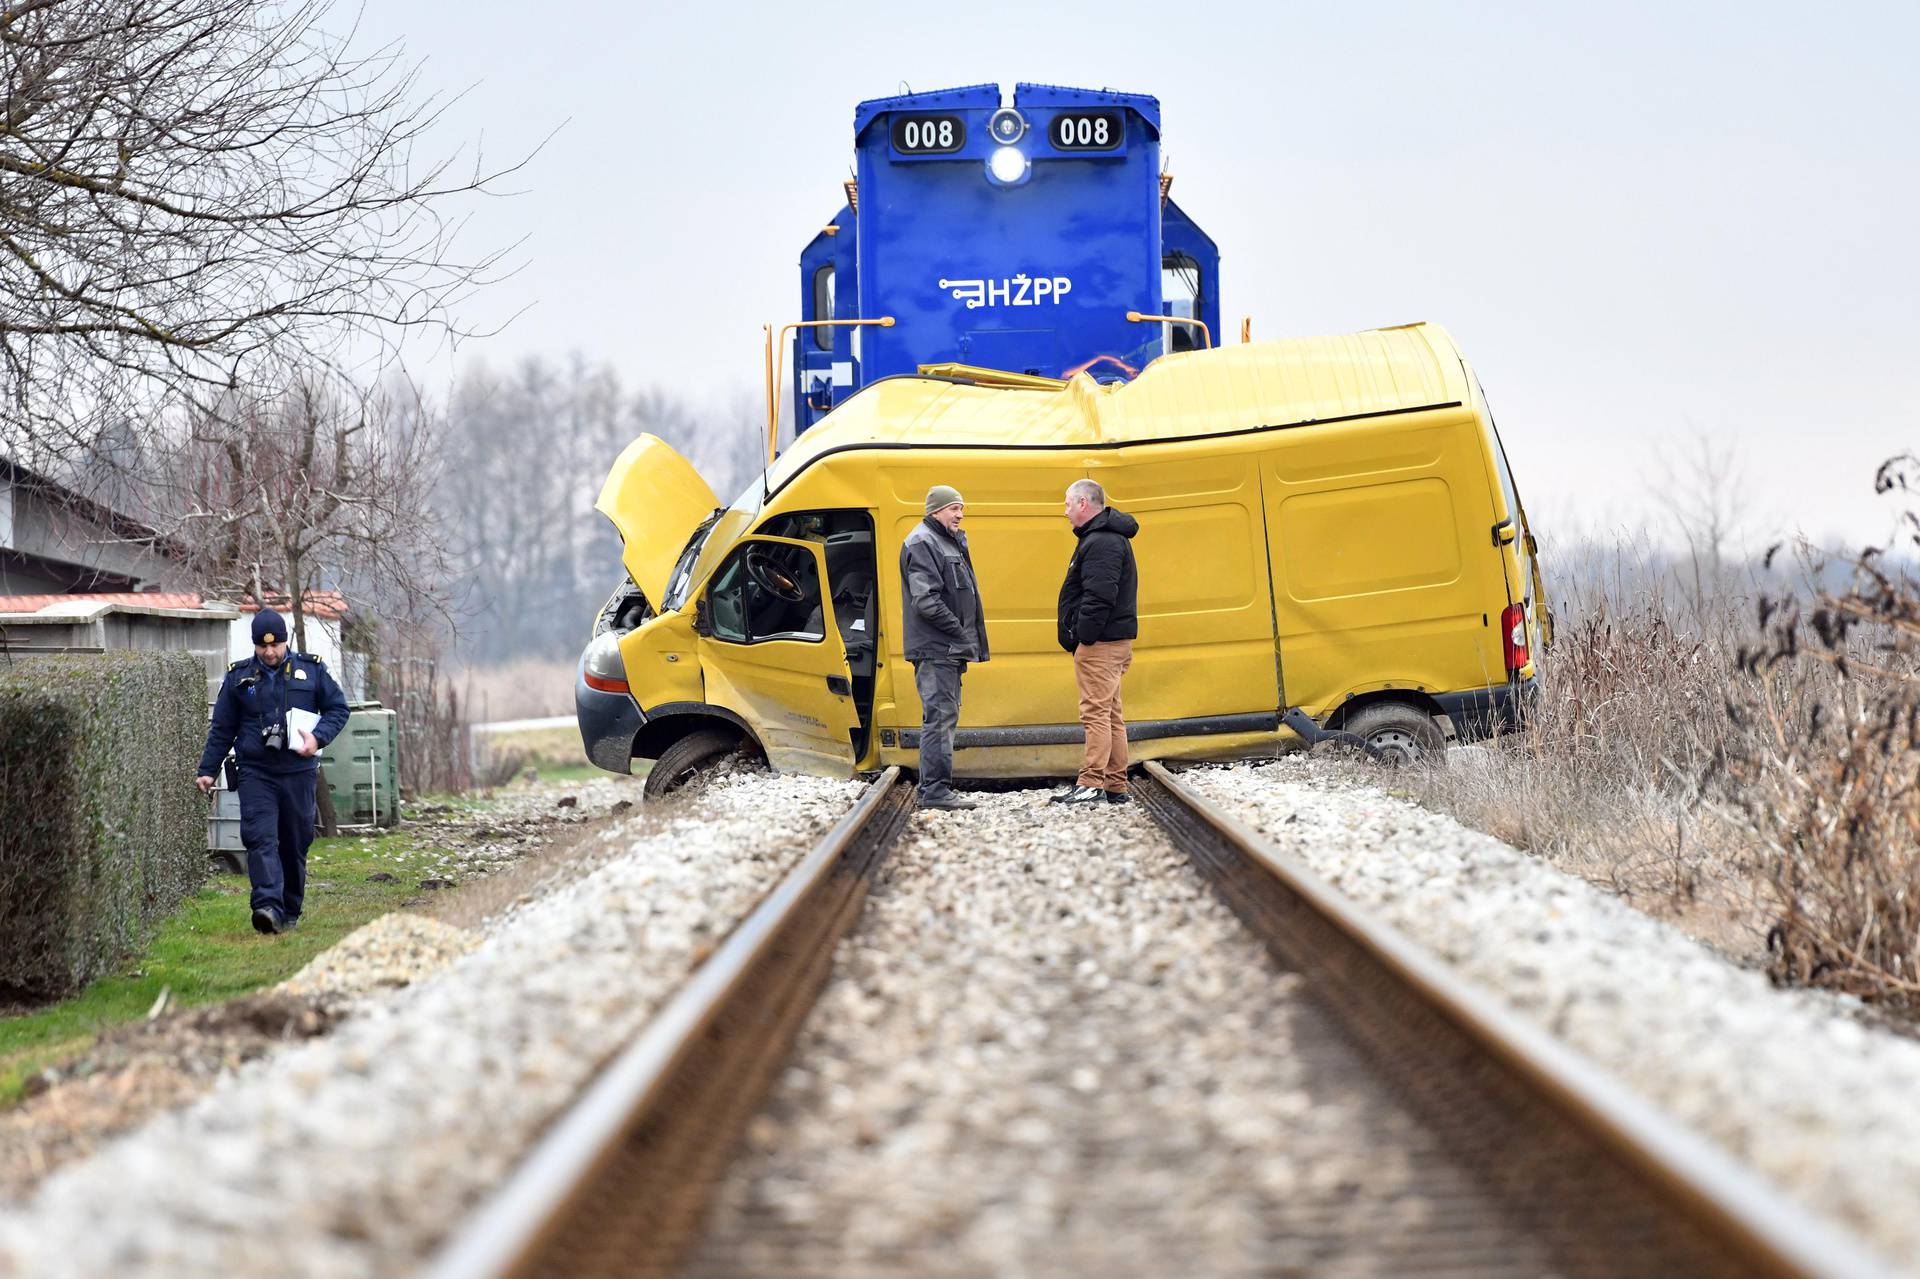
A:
[(1081, 795)]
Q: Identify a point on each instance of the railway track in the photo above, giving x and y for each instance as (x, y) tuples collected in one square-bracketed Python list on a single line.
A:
[(1517, 1158)]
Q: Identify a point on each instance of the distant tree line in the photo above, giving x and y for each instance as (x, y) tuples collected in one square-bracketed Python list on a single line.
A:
[(524, 454)]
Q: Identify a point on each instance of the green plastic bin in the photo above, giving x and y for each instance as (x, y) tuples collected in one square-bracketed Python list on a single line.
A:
[(361, 767)]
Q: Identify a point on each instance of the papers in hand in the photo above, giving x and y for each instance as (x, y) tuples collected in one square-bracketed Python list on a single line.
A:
[(300, 725)]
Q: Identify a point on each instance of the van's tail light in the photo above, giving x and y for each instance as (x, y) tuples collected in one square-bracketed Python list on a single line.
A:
[(1513, 633)]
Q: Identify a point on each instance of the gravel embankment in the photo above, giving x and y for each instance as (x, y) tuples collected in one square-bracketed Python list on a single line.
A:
[(465, 844), (384, 954), (1048, 1049), (1791, 1083), (350, 1155)]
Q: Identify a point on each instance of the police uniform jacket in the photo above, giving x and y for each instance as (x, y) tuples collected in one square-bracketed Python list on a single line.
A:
[(254, 695)]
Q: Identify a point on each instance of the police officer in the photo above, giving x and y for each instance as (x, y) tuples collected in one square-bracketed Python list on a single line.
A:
[(277, 773)]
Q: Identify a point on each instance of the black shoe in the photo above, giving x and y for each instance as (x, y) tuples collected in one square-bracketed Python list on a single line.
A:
[(950, 803), (1117, 797), (1081, 795), (288, 925), (266, 920)]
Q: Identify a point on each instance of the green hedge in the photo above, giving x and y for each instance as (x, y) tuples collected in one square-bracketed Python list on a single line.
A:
[(101, 830)]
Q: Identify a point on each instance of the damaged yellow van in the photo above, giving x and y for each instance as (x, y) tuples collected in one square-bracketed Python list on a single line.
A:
[(1325, 523)]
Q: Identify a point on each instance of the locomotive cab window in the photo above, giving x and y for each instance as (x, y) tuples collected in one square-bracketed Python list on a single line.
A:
[(1182, 291), (823, 306)]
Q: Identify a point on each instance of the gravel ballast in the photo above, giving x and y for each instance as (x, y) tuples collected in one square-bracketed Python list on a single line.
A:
[(352, 1154), (1048, 1049), (1791, 1083), (1056, 955)]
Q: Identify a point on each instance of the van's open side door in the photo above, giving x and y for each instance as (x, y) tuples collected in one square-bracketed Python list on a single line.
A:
[(771, 653)]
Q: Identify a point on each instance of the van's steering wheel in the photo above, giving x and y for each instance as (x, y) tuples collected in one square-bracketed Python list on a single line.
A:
[(773, 579)]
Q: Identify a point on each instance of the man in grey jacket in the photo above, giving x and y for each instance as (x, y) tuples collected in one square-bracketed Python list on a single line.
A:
[(946, 627)]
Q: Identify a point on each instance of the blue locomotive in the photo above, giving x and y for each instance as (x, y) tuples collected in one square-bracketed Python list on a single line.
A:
[(1034, 236)]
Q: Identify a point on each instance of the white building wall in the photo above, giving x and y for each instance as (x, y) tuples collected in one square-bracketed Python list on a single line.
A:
[(323, 641)]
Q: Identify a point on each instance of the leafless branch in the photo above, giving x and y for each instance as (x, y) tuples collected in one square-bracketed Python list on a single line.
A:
[(192, 191)]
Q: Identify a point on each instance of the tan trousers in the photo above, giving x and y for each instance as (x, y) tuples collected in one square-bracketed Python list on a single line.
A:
[(1097, 669)]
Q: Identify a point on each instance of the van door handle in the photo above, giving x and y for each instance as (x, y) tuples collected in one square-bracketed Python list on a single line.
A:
[(839, 684), (1503, 532)]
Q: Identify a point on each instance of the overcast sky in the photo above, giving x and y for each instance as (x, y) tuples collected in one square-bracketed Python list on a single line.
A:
[(1642, 223)]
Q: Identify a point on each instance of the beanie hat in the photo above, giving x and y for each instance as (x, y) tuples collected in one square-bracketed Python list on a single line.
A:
[(268, 628), (940, 497)]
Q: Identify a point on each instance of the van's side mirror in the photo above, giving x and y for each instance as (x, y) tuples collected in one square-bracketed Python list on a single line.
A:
[(702, 621)]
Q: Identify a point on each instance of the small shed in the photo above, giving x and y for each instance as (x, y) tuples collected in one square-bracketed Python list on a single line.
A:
[(65, 617), (147, 620)]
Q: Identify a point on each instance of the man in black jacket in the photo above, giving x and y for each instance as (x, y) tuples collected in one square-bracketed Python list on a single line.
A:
[(1099, 619), (945, 628)]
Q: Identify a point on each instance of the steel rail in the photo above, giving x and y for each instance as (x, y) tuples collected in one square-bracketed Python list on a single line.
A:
[(1724, 1218), (622, 1180)]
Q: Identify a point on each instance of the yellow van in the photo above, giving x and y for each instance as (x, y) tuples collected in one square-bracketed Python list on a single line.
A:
[(1325, 523)]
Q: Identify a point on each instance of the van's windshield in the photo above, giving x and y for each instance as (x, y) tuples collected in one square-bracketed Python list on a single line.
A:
[(682, 575)]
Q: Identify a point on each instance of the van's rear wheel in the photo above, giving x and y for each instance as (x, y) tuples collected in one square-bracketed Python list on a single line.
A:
[(680, 761), (1402, 734)]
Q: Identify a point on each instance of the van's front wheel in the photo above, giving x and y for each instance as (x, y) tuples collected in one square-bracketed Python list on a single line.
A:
[(684, 758), (1402, 734)]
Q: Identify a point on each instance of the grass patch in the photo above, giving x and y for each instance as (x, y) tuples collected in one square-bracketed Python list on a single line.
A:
[(554, 754), (207, 951), (567, 772)]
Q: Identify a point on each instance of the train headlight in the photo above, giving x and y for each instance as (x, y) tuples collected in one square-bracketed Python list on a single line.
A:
[(1007, 165)]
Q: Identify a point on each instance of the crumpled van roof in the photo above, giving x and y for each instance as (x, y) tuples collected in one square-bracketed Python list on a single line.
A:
[(1284, 382)]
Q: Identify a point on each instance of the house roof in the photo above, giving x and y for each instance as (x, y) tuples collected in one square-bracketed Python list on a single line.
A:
[(54, 491), (331, 605)]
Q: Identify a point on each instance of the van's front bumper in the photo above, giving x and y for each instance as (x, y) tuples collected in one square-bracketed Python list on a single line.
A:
[(1481, 712), (608, 723)]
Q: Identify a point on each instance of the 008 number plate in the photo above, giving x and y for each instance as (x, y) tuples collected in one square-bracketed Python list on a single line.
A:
[(1086, 131), (928, 134)]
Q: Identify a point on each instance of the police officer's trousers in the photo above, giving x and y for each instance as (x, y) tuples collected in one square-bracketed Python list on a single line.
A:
[(276, 825)]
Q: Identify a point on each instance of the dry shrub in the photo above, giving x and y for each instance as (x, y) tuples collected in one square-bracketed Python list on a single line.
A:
[(528, 753), (1605, 777), (1823, 766), (436, 747), (1760, 781), (528, 688)]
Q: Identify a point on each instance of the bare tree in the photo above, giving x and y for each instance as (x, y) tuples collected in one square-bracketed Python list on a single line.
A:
[(1704, 490), (320, 485), (196, 190)]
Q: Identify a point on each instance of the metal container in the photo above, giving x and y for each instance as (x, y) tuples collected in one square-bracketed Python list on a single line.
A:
[(362, 767), (224, 846)]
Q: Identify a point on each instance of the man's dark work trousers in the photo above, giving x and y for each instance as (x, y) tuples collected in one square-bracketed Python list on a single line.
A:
[(276, 825), (939, 686)]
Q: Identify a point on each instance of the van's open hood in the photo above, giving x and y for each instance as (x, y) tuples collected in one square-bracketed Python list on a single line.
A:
[(656, 499)]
